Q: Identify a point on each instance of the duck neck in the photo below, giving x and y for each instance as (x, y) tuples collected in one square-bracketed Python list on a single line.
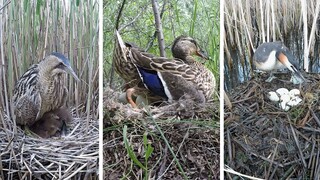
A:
[(189, 60)]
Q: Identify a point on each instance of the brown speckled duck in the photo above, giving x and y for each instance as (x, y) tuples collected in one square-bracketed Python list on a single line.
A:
[(171, 79)]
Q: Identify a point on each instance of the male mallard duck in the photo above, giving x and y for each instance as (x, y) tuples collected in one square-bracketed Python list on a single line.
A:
[(275, 55), (167, 78)]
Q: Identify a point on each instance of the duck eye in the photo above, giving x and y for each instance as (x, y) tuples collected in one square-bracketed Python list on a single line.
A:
[(194, 42), (59, 66)]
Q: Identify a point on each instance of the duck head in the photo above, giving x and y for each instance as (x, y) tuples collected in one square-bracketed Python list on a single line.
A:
[(185, 47)]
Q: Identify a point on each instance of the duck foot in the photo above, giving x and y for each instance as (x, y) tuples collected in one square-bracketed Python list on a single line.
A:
[(296, 80), (271, 77), (130, 93)]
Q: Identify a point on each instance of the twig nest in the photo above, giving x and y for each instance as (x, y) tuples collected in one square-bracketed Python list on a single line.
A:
[(286, 98)]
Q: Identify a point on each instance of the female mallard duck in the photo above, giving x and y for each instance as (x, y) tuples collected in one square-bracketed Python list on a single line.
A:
[(128, 71), (171, 79)]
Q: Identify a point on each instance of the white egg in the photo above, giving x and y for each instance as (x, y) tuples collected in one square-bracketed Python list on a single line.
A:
[(273, 96), (285, 98), (284, 106), (141, 101), (282, 91), (294, 101), (123, 98), (294, 92), (299, 100)]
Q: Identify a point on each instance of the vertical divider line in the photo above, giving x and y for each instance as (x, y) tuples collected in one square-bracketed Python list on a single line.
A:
[(221, 89), (100, 47)]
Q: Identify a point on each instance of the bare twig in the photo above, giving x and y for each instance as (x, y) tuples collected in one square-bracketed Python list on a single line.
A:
[(119, 14), (150, 43), (5, 5), (158, 25)]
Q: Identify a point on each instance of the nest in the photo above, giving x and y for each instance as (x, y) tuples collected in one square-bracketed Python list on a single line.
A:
[(24, 156), (183, 129), (262, 140)]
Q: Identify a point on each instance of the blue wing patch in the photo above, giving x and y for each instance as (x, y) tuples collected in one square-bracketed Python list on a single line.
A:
[(152, 81)]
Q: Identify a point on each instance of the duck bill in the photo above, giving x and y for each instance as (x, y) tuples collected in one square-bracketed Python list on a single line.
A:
[(71, 71), (298, 77), (202, 54), (284, 59)]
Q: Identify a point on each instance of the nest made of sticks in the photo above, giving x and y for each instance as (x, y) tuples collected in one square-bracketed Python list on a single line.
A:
[(261, 140), (191, 131), (75, 155)]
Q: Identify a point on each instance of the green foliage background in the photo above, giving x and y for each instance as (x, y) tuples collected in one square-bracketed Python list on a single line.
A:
[(198, 19)]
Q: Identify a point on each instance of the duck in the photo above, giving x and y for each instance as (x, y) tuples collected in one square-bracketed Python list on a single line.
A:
[(271, 56), (124, 67), (168, 78), (176, 78)]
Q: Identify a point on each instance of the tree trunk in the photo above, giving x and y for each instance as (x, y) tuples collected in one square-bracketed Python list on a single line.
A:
[(158, 24)]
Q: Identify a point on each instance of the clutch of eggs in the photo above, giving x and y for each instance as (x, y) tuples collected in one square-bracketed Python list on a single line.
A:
[(286, 98)]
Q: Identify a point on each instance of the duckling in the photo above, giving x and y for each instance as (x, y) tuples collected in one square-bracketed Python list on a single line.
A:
[(52, 122)]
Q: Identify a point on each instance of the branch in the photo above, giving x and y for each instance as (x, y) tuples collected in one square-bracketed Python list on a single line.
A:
[(131, 22), (158, 24), (150, 43), (119, 14), (7, 3)]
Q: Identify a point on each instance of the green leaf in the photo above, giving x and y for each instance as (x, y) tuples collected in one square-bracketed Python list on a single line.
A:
[(129, 149), (145, 140), (149, 151)]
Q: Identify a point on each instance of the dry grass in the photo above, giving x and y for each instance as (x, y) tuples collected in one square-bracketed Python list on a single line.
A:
[(26, 156), (264, 141), (249, 20), (190, 131)]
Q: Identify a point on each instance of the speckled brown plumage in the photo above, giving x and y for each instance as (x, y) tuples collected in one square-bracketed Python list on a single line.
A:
[(42, 88), (183, 74)]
